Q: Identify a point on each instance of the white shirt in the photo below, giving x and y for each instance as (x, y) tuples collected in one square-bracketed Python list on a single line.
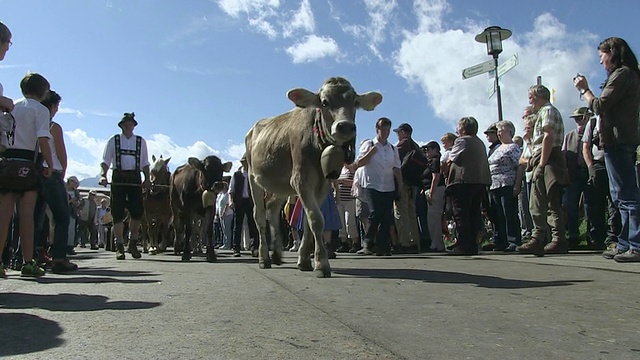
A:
[(378, 173), (245, 190), (222, 200), (57, 165), (100, 213), (128, 162), (32, 122)]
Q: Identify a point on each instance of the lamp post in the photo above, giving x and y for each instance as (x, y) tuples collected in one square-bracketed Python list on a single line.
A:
[(493, 36)]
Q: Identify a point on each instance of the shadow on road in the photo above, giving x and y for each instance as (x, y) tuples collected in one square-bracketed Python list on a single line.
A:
[(447, 277), (69, 302), (26, 333)]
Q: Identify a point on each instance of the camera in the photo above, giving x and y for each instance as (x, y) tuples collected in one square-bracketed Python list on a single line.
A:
[(577, 76)]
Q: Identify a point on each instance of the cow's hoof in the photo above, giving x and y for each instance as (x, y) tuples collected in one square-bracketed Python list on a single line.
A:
[(323, 273), (186, 257), (305, 266), (276, 259), (265, 265)]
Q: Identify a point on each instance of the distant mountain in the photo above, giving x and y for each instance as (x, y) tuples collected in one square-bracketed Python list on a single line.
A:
[(90, 182)]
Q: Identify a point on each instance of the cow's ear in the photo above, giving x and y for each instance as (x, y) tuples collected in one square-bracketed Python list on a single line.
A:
[(153, 158), (303, 98), (226, 167), (166, 162), (195, 163), (369, 101)]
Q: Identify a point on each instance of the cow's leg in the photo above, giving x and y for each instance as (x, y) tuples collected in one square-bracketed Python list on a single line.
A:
[(315, 222), (304, 252), (186, 246), (274, 207), (178, 233), (260, 217)]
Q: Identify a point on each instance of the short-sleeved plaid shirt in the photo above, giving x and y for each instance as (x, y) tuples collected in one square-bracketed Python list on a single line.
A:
[(548, 115)]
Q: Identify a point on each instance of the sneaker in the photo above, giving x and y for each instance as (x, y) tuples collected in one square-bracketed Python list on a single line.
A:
[(62, 267), (120, 252), (612, 251), (364, 251), (236, 254), (31, 269), (628, 256)]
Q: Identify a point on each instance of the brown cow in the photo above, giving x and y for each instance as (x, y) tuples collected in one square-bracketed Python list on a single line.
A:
[(189, 186), (284, 156)]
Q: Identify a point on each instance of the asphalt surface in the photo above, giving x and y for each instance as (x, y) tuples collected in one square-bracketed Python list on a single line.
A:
[(491, 306)]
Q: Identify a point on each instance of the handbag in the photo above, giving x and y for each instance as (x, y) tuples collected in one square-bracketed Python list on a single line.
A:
[(18, 175)]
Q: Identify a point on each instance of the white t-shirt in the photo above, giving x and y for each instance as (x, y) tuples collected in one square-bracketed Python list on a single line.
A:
[(127, 162), (57, 165), (222, 201), (32, 122), (378, 173)]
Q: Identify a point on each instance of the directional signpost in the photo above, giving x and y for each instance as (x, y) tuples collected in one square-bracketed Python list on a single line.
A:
[(503, 69), (478, 69)]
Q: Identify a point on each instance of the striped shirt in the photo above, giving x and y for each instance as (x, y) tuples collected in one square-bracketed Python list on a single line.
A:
[(345, 182)]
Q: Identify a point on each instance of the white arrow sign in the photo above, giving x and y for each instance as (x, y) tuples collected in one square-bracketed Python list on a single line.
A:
[(503, 69), (506, 66), (478, 69)]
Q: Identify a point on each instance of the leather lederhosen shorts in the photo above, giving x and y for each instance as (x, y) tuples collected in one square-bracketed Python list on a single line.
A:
[(126, 193)]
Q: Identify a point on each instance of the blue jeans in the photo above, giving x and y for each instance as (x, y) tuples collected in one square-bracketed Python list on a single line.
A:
[(227, 231), (507, 222), (54, 194), (620, 161)]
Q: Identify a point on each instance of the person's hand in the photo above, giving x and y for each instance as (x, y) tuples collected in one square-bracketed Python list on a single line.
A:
[(580, 82), (429, 197), (592, 175), (46, 172), (103, 181), (352, 167), (232, 205), (516, 190), (146, 185)]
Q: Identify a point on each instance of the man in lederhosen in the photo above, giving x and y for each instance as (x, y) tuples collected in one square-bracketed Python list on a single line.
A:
[(128, 155)]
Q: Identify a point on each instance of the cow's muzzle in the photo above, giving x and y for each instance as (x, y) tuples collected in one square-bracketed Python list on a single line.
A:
[(343, 130)]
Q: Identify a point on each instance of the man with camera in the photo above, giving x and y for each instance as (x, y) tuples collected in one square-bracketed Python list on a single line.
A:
[(597, 197)]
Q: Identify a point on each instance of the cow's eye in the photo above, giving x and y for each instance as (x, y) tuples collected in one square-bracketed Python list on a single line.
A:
[(325, 103)]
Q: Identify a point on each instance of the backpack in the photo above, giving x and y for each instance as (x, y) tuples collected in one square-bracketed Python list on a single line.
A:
[(413, 166)]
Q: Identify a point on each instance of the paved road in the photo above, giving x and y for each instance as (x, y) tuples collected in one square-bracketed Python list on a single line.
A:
[(578, 306)]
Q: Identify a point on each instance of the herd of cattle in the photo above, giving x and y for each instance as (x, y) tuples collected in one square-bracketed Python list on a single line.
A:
[(284, 155)]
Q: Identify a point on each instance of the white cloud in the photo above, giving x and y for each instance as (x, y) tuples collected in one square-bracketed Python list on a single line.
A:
[(157, 144), (64, 110), (312, 48), (260, 13), (432, 58), (236, 7), (302, 20), (380, 13)]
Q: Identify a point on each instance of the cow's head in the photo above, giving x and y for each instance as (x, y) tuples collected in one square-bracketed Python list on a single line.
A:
[(337, 101), (210, 169)]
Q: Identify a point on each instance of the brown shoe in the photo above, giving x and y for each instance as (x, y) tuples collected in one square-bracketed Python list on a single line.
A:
[(532, 246), (556, 247)]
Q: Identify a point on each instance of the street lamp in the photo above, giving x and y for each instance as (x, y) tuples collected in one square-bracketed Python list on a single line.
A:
[(493, 36)]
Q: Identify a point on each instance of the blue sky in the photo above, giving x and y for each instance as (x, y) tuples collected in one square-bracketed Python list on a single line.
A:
[(199, 73)]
